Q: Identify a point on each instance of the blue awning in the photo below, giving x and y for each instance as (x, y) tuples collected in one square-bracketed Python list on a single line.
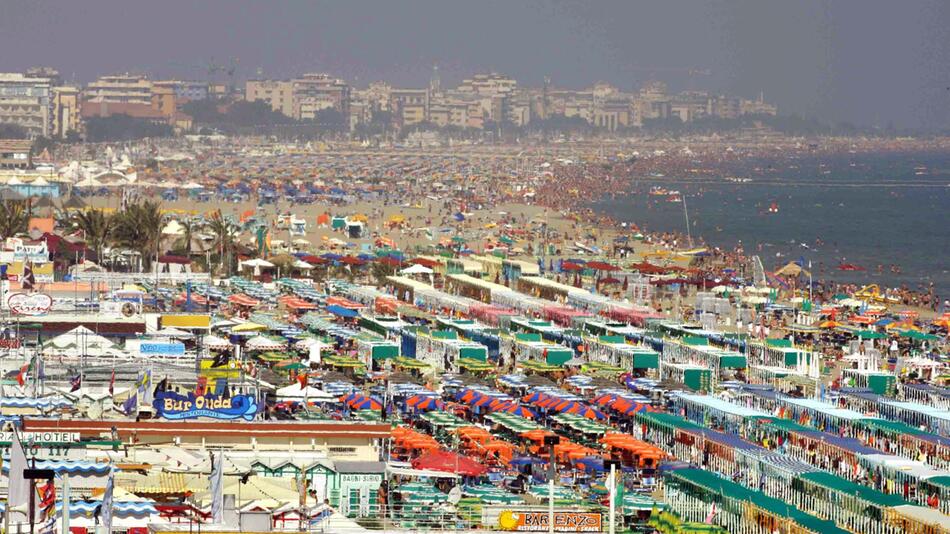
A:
[(341, 311)]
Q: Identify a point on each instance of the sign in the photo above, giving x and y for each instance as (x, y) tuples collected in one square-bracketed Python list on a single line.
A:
[(171, 405), (42, 437), (186, 321), (31, 252), (538, 521), (29, 303), (161, 348), (360, 478), (10, 343)]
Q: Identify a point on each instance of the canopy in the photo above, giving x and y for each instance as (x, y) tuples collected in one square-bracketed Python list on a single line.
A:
[(449, 462), (416, 268), (310, 393), (342, 312)]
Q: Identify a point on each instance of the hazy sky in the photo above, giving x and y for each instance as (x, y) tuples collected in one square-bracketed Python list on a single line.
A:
[(865, 61)]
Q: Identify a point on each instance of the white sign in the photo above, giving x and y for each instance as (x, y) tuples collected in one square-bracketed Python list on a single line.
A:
[(31, 252), (42, 437), (30, 303)]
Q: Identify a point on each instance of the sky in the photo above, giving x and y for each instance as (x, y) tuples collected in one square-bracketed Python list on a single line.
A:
[(869, 62)]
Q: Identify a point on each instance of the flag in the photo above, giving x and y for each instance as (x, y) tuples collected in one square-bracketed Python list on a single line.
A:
[(202, 386), (161, 386), (217, 488), (18, 493), (75, 383), (130, 404), (105, 509), (21, 376), (712, 514), (220, 360), (47, 497), (112, 383), (29, 280), (303, 379)]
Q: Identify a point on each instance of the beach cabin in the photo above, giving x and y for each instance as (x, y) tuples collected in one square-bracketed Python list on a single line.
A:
[(491, 266), (462, 266), (696, 350), (614, 350), (877, 382), (515, 269), (694, 377), (443, 350), (780, 353), (784, 379), (372, 348), (545, 288), (473, 288), (531, 347), (475, 332)]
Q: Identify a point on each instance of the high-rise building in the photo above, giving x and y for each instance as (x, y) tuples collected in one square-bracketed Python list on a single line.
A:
[(67, 110), (27, 102), (120, 89), (315, 92), (277, 93)]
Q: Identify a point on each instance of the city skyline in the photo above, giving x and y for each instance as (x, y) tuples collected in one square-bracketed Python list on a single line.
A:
[(870, 64)]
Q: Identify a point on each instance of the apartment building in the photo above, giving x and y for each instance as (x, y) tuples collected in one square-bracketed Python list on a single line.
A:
[(120, 89), (27, 102)]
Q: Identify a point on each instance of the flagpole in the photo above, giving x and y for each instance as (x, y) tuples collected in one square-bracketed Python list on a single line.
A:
[(65, 503)]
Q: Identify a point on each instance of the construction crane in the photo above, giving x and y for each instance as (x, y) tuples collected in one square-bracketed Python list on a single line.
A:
[(691, 72)]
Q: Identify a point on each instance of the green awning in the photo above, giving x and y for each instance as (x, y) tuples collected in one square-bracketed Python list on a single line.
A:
[(846, 487), (732, 362), (646, 361)]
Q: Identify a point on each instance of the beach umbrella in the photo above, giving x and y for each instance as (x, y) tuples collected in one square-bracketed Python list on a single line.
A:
[(521, 411), (366, 403), (428, 403)]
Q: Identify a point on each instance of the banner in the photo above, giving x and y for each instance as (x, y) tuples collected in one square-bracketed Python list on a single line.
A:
[(538, 521), (161, 348), (29, 303), (171, 405)]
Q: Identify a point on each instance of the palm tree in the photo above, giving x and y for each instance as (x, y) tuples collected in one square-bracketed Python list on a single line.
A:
[(14, 218), (139, 227), (97, 227), (188, 228), (224, 232)]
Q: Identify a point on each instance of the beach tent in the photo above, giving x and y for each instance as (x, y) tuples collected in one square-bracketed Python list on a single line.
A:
[(263, 343), (310, 393), (80, 341), (416, 268)]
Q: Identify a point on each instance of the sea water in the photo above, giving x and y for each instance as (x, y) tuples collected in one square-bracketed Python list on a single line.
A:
[(869, 210)]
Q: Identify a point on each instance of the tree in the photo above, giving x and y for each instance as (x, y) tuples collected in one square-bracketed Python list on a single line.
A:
[(14, 218), (183, 243), (329, 120), (97, 227), (139, 227), (123, 128), (224, 233)]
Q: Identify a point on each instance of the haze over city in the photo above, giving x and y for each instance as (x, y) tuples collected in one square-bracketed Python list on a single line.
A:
[(475, 266), (866, 62)]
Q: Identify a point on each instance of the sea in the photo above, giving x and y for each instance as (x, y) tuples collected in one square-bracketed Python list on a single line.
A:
[(885, 213)]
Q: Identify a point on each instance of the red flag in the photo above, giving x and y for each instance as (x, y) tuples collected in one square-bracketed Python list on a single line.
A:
[(201, 386), (21, 376), (112, 383), (303, 378)]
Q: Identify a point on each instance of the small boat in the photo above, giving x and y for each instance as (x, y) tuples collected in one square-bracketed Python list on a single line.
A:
[(659, 191), (850, 267)]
